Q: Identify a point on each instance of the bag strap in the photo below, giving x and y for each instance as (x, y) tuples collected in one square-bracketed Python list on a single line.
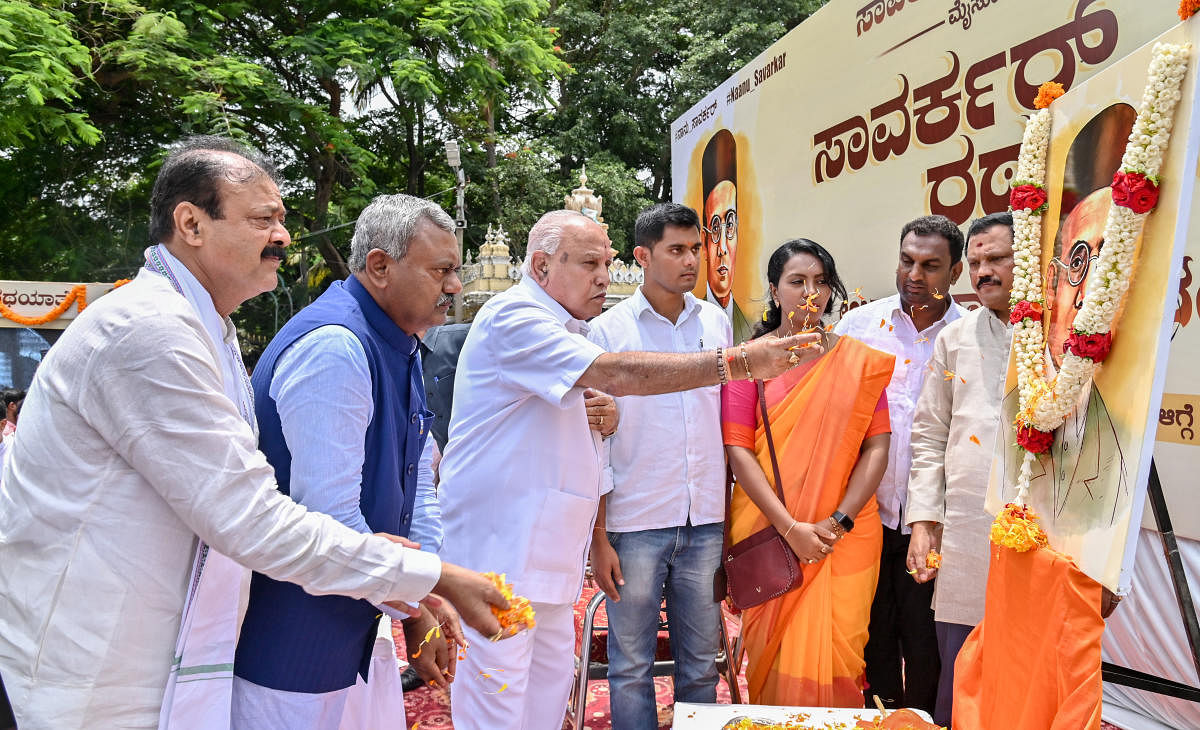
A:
[(725, 544), (762, 404), (762, 407)]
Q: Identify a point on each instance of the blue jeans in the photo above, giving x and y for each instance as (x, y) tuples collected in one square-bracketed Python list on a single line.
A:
[(680, 562)]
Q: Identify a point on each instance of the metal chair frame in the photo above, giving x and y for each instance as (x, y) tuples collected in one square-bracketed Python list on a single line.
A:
[(663, 668)]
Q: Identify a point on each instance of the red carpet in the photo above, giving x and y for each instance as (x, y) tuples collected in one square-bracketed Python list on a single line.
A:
[(429, 709)]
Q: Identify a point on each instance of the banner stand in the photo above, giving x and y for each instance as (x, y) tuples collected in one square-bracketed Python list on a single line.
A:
[(1187, 608)]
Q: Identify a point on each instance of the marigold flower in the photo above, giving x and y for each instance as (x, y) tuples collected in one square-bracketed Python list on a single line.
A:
[(933, 560), (1017, 527), (1188, 8), (1047, 93), (519, 616)]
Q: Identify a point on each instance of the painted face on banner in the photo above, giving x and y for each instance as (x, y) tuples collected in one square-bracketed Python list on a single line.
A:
[(720, 239), (1079, 244)]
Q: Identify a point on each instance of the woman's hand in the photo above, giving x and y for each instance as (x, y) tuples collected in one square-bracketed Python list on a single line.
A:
[(812, 543)]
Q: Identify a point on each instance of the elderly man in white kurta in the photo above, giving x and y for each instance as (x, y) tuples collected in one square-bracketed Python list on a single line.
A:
[(138, 442), (521, 474), (953, 431)]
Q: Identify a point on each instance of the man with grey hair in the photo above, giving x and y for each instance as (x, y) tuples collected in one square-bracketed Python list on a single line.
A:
[(521, 473), (342, 417)]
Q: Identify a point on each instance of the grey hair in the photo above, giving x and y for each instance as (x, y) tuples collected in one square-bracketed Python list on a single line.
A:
[(546, 235), (389, 223)]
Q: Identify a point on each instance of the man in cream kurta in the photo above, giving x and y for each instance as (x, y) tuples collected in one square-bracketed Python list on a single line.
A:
[(956, 422), (132, 450)]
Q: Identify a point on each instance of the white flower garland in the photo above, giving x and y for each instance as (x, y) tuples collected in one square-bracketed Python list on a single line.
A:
[(1045, 404)]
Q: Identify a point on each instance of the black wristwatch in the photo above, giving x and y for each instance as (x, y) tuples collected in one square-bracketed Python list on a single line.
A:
[(843, 519)]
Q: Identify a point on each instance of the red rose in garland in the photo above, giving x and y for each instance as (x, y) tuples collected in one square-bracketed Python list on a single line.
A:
[(1026, 309), (1027, 197), (1095, 347), (1135, 191), (1033, 440)]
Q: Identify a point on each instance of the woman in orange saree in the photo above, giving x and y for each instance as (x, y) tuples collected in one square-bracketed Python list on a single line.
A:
[(829, 421)]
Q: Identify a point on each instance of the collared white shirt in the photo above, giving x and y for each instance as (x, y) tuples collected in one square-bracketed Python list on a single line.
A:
[(129, 450), (953, 431), (884, 325), (666, 462), (520, 480)]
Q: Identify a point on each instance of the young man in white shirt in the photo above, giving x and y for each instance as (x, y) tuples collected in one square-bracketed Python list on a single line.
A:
[(906, 325), (663, 510), (521, 474)]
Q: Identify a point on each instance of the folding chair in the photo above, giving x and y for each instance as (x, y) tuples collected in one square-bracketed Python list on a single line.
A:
[(591, 662)]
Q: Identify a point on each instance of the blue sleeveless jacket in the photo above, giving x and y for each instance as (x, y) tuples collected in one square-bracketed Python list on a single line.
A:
[(292, 640)]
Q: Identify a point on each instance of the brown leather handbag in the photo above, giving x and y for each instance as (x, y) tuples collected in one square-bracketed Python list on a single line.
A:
[(762, 566)]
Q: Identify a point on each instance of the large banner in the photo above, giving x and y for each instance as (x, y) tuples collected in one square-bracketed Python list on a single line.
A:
[(1089, 489), (870, 114)]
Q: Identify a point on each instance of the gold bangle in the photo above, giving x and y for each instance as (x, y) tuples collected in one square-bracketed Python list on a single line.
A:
[(746, 361), (722, 373), (789, 529)]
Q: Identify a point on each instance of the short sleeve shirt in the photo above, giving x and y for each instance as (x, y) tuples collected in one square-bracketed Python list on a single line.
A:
[(520, 479)]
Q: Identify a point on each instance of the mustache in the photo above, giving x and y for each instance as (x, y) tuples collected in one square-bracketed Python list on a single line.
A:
[(276, 251), (987, 280), (445, 299)]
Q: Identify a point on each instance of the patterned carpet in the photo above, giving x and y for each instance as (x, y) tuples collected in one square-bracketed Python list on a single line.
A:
[(429, 708)]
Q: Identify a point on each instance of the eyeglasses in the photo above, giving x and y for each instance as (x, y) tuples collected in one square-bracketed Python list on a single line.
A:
[(718, 227), (1080, 261)]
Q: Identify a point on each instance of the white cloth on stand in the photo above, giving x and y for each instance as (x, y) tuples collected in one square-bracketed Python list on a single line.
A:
[(1146, 633)]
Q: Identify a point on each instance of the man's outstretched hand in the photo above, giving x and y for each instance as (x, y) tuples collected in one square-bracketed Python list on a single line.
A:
[(473, 596)]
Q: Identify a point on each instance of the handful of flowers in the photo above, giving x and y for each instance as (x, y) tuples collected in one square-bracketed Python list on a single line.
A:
[(1017, 527), (933, 560), (519, 615)]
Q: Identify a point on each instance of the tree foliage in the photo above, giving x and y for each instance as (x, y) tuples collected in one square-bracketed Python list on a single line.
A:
[(352, 98)]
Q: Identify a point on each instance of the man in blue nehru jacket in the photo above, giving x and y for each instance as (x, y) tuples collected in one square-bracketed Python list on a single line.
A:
[(341, 408)]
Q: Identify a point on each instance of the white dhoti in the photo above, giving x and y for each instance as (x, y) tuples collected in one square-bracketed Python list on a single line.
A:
[(537, 666), (365, 706)]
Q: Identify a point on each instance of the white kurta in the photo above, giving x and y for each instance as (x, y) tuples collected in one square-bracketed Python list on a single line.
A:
[(130, 450), (949, 477)]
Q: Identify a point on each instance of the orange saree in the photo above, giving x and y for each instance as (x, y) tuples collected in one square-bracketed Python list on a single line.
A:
[(806, 647)]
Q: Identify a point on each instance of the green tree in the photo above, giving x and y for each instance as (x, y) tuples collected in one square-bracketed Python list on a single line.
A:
[(640, 64)]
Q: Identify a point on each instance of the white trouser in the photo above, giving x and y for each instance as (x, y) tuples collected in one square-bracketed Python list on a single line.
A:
[(537, 666), (365, 706), (261, 708)]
